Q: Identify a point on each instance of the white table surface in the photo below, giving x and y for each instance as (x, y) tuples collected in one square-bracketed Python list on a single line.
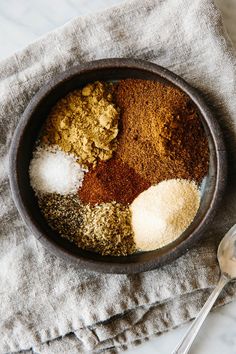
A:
[(21, 22)]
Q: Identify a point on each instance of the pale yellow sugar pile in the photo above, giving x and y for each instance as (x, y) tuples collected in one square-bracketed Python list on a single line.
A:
[(162, 212)]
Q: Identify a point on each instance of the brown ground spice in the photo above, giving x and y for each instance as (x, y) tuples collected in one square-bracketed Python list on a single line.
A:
[(112, 180), (161, 135)]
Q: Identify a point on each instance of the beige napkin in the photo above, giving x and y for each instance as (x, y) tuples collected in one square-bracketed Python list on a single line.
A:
[(50, 307)]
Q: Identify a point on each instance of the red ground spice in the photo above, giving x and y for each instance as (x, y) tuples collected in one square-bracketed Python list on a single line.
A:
[(112, 180)]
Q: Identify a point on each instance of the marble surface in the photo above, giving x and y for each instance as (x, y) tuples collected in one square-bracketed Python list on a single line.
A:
[(21, 22)]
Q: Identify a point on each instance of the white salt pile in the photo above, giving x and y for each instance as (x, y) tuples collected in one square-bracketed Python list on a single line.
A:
[(162, 212), (54, 171)]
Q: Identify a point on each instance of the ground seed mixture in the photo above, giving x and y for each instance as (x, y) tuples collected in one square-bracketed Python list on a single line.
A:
[(161, 135), (85, 123), (104, 228), (107, 229)]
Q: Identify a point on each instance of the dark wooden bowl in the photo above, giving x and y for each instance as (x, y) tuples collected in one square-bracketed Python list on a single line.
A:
[(23, 144)]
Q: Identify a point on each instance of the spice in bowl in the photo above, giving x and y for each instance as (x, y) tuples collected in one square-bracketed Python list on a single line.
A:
[(161, 135), (112, 180), (54, 171), (118, 166), (85, 123), (104, 228), (162, 212)]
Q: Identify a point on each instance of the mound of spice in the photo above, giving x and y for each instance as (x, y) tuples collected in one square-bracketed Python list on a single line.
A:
[(104, 228), (161, 135), (112, 181), (107, 229), (85, 123), (54, 171), (163, 212), (63, 213)]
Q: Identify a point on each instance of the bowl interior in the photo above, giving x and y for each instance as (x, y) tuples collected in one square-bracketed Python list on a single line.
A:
[(21, 154)]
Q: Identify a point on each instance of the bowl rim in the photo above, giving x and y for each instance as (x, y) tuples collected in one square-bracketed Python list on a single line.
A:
[(216, 135)]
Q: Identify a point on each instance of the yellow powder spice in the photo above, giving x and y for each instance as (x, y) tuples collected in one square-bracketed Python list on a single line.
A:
[(85, 122)]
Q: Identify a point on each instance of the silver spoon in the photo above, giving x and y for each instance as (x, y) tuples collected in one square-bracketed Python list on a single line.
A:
[(227, 260)]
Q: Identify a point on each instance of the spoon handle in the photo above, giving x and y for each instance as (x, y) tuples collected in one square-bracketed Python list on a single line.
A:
[(189, 337)]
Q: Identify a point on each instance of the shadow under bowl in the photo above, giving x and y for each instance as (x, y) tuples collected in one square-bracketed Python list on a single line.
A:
[(26, 134)]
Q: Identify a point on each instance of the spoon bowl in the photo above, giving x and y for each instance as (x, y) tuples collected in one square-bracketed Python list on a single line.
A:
[(227, 254), (227, 260)]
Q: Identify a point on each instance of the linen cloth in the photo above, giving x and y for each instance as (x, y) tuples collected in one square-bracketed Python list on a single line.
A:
[(49, 306)]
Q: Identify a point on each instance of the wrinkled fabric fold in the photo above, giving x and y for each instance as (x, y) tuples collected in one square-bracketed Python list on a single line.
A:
[(49, 306)]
